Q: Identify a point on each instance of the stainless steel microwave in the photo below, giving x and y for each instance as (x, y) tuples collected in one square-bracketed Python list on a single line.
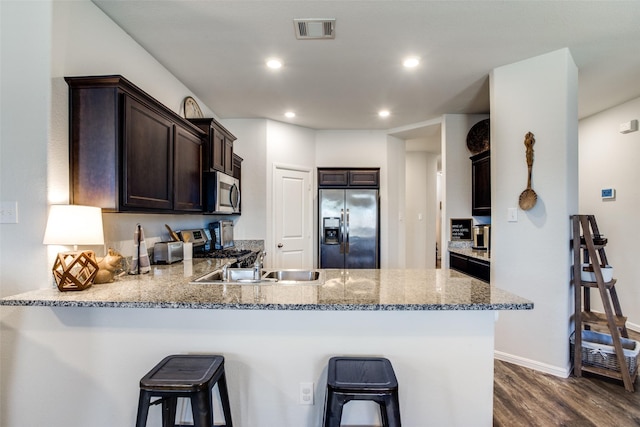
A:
[(222, 193)]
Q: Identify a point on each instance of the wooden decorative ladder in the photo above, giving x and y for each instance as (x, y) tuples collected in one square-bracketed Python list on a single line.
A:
[(586, 251)]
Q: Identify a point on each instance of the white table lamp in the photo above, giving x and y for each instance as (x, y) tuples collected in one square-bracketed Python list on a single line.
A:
[(74, 225)]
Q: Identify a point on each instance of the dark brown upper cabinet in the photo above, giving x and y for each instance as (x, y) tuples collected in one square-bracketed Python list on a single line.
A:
[(481, 184), (128, 152), (349, 177), (218, 150)]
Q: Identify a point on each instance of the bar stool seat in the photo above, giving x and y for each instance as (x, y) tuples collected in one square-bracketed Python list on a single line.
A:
[(185, 376), (361, 378)]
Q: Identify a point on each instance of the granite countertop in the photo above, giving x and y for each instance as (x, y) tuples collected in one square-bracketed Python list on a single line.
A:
[(168, 287)]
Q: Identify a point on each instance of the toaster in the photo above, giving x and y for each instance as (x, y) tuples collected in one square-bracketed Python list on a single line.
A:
[(167, 252)]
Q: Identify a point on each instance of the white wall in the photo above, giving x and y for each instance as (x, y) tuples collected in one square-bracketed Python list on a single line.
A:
[(289, 146), (25, 103), (393, 206), (251, 145), (610, 159), (82, 366), (531, 257), (421, 209)]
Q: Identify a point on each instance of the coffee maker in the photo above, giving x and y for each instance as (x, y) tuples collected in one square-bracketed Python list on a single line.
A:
[(482, 237)]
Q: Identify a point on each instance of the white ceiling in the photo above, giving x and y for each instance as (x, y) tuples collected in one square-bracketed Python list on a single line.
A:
[(218, 49)]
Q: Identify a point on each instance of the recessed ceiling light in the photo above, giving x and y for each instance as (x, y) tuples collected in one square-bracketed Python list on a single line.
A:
[(411, 62), (290, 114), (274, 63), (384, 113)]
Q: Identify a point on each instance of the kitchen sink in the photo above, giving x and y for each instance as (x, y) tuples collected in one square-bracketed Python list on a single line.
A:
[(240, 276), (302, 276), (234, 275)]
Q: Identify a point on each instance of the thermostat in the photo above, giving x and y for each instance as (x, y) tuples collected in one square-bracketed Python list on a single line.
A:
[(608, 193)]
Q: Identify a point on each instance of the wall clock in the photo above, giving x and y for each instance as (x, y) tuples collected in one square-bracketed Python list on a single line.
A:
[(191, 109)]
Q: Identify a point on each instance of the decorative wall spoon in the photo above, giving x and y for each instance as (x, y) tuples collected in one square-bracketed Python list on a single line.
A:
[(528, 197)]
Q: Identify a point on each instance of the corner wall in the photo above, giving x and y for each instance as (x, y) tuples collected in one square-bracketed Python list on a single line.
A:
[(609, 159), (456, 173), (531, 257)]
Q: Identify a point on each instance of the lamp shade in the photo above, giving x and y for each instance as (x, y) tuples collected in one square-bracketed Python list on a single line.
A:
[(74, 225)]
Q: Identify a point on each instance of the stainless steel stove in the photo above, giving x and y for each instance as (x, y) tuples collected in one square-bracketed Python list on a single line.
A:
[(204, 247)]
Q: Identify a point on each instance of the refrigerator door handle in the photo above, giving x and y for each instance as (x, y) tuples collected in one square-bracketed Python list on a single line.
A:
[(347, 230), (341, 231)]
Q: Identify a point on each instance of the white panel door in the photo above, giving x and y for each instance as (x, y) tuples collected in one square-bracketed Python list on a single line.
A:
[(293, 243)]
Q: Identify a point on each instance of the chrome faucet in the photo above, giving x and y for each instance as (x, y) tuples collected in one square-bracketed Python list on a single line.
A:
[(225, 273), (258, 264)]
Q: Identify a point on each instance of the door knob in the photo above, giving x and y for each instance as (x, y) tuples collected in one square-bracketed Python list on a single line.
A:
[(280, 245)]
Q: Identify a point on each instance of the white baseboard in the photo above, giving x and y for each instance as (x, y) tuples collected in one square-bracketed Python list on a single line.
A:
[(534, 364), (543, 367)]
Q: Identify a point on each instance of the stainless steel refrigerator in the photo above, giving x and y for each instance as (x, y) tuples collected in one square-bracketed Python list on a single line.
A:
[(349, 228)]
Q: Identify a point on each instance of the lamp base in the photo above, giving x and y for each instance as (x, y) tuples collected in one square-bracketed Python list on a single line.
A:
[(75, 271)]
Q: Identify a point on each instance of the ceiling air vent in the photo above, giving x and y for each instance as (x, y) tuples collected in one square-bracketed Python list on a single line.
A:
[(315, 29)]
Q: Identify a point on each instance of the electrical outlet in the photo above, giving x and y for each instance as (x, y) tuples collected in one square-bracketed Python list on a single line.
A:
[(306, 394), (8, 212)]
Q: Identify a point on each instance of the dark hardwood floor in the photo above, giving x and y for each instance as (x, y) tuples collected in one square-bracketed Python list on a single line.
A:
[(524, 397)]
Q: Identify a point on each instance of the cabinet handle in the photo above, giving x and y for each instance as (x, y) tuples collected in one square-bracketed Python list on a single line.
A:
[(280, 245)]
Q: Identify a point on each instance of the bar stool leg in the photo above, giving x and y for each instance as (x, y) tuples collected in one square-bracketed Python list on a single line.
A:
[(383, 413), (224, 398), (200, 405), (335, 404), (169, 405), (143, 409), (392, 409)]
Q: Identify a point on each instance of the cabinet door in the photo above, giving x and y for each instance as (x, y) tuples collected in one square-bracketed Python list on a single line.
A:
[(237, 173), (481, 185), (237, 166), (228, 156), (365, 178), (458, 262), (217, 150), (333, 177), (147, 158), (478, 269), (187, 167)]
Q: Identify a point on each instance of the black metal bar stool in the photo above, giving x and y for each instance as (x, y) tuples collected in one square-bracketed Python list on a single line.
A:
[(361, 378), (187, 376)]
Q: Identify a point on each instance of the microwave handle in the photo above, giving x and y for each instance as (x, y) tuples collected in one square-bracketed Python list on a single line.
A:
[(234, 189)]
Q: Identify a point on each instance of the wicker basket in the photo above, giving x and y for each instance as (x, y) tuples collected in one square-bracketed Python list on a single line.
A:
[(598, 351)]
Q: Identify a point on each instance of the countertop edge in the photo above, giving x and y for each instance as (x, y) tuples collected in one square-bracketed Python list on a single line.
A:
[(268, 307), (472, 253)]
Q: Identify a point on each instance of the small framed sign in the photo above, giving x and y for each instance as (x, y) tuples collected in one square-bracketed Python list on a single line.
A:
[(461, 228)]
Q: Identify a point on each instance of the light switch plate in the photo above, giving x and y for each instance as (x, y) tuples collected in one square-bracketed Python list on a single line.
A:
[(512, 214), (8, 212), (628, 127)]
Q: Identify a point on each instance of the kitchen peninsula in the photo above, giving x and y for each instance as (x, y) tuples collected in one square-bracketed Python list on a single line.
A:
[(436, 326)]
